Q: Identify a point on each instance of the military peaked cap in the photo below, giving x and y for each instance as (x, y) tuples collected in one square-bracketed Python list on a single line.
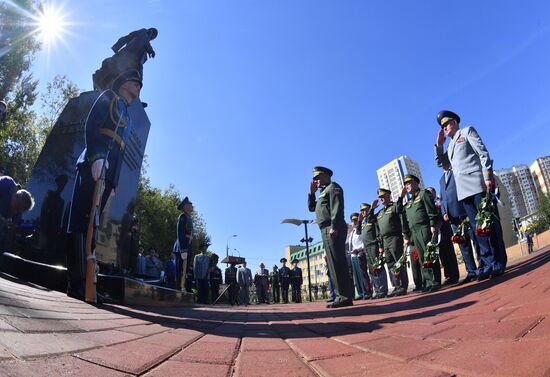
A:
[(184, 202), (354, 216), (283, 260), (383, 191), (364, 206), (294, 261), (411, 177), (321, 170), (445, 115)]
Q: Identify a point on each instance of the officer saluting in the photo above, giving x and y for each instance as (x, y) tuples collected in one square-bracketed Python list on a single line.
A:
[(329, 210), (284, 275), (392, 224), (296, 280)]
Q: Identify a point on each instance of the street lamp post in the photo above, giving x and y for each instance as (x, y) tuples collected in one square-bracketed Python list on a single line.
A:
[(307, 240), (227, 244)]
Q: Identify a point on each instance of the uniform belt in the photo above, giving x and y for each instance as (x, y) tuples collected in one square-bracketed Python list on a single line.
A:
[(110, 133)]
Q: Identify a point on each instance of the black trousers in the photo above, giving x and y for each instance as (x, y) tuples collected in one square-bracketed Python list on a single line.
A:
[(276, 293), (296, 293), (284, 292)]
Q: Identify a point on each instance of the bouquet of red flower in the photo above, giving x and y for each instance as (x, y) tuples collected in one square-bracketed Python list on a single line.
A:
[(414, 255), (461, 231), (378, 263), (431, 254), (484, 217)]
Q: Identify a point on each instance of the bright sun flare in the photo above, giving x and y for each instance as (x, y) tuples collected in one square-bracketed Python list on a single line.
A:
[(50, 24)]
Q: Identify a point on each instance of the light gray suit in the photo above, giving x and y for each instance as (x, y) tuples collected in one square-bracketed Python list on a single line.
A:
[(470, 161), (244, 279)]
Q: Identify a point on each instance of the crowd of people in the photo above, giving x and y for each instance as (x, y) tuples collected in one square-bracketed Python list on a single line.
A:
[(419, 228)]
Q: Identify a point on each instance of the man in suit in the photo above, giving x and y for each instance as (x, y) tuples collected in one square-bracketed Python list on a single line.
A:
[(473, 171), (453, 213), (244, 279)]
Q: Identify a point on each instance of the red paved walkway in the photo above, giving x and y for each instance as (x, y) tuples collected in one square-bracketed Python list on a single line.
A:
[(498, 327)]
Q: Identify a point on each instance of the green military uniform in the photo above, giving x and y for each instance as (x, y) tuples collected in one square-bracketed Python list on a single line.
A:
[(421, 215), (369, 231), (392, 224), (329, 210)]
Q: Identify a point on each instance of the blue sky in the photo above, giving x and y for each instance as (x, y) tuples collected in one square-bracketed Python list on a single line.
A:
[(245, 97)]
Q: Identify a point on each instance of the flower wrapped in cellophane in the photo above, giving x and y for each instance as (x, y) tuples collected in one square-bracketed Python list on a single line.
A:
[(431, 254), (461, 232), (484, 217)]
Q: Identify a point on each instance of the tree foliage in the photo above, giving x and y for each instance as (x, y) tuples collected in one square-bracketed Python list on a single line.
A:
[(157, 213), (18, 136), (543, 208)]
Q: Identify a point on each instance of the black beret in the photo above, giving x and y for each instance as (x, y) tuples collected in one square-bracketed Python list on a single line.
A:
[(283, 260), (444, 116)]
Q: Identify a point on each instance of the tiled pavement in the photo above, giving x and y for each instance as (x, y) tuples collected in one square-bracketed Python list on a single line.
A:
[(499, 327)]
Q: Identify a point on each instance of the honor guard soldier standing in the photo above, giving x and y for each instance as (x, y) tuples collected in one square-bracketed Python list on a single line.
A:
[(392, 224), (296, 281), (423, 219), (183, 248), (284, 275), (231, 282), (215, 277), (107, 129), (274, 280), (369, 232), (329, 210)]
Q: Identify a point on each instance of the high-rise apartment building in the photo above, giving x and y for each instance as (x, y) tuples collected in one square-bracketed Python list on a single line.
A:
[(391, 175), (540, 170), (521, 189)]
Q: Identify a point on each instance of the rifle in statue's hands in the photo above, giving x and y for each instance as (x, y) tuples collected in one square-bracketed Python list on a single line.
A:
[(90, 291)]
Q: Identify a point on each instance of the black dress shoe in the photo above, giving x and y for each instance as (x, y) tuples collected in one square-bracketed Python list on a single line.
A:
[(496, 274), (401, 292), (340, 304), (330, 300), (426, 289), (450, 281), (483, 276), (435, 288), (417, 289), (468, 279), (378, 296)]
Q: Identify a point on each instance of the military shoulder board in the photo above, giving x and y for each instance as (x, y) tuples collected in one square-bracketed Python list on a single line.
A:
[(417, 199)]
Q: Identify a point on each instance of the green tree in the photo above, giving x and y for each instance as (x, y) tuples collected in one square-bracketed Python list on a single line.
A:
[(58, 92), (543, 208), (157, 213), (17, 45), (18, 137)]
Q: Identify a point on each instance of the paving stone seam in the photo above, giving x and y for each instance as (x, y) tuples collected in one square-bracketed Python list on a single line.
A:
[(399, 358), (236, 352), (529, 328), (454, 371)]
